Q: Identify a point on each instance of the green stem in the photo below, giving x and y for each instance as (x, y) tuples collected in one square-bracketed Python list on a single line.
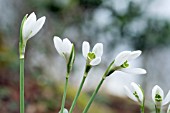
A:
[(22, 85), (64, 94), (142, 109), (158, 110), (93, 96), (78, 93)]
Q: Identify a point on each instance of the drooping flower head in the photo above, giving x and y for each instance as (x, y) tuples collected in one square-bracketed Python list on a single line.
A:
[(29, 27), (121, 63), (66, 49), (158, 97), (93, 57), (136, 94)]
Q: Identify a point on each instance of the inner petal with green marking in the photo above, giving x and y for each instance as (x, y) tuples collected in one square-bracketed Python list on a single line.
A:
[(158, 98), (91, 56), (125, 64)]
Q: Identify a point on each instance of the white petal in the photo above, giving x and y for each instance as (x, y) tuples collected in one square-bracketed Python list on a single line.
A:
[(95, 61), (85, 48), (29, 22), (58, 45), (64, 111), (167, 99), (134, 54), (121, 58), (98, 49), (138, 91), (168, 110), (157, 90), (133, 70), (130, 94), (67, 46), (37, 26)]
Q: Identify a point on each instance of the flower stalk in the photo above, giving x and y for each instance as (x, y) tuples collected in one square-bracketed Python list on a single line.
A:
[(65, 92), (78, 93), (158, 110), (93, 96), (22, 85)]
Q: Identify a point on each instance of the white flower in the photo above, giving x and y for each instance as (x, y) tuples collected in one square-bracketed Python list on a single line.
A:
[(158, 96), (137, 93), (31, 26), (64, 111), (168, 110), (64, 47), (93, 57), (122, 60)]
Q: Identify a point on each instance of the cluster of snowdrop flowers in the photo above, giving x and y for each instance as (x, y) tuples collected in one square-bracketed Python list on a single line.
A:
[(157, 96), (31, 26)]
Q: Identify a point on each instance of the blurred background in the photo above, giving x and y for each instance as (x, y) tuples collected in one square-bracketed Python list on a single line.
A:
[(118, 24)]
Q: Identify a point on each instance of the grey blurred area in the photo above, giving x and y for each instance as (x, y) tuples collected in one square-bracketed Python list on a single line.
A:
[(118, 24)]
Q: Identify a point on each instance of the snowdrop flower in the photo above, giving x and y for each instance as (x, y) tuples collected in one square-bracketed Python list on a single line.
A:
[(66, 49), (158, 96), (121, 63), (94, 57), (65, 111), (32, 26), (137, 94), (29, 27)]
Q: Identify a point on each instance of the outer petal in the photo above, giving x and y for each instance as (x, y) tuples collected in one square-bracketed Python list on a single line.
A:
[(67, 46), (133, 70), (29, 22), (133, 55), (38, 25), (130, 94), (58, 45), (98, 49), (95, 61), (167, 99), (138, 91), (157, 90), (85, 48), (121, 58)]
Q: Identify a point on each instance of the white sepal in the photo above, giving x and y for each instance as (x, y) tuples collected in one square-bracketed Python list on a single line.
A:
[(133, 70), (85, 48), (98, 49), (167, 99), (134, 54), (121, 58)]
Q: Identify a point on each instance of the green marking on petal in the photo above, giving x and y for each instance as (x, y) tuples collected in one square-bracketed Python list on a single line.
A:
[(125, 64), (158, 98), (91, 56)]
